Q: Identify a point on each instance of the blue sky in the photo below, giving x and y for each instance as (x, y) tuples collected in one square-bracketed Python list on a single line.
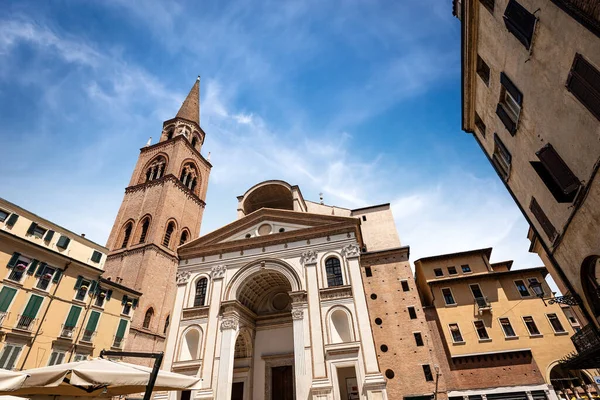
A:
[(359, 100)]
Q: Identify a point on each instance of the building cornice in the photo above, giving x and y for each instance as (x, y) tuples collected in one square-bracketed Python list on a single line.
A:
[(469, 20), (488, 275), (396, 251), (143, 248)]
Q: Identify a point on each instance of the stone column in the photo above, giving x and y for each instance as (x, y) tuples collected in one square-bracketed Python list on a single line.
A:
[(309, 259), (229, 330), (170, 356), (217, 274), (299, 306)]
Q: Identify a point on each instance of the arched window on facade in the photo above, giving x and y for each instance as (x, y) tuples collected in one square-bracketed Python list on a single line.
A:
[(195, 142), (184, 237), (148, 317), (190, 344), (166, 325), (168, 234), (185, 132), (189, 176), (200, 296), (145, 226), (340, 327), (126, 234), (156, 169), (333, 269)]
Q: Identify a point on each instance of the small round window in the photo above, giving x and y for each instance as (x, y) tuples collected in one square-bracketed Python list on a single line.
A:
[(264, 229)]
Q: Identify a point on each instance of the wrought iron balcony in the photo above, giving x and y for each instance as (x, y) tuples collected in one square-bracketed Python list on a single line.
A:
[(569, 299), (587, 343), (25, 323), (67, 332), (483, 304), (88, 336), (586, 339)]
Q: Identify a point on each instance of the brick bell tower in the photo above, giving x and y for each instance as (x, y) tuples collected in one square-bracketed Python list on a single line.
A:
[(162, 209)]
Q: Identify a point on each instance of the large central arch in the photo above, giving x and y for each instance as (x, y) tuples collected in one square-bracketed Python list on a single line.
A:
[(280, 270)]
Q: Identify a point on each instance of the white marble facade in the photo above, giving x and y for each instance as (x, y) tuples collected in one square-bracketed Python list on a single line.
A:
[(258, 313)]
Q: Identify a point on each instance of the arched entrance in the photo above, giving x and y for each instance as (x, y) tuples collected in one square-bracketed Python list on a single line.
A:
[(263, 346), (569, 384), (590, 280)]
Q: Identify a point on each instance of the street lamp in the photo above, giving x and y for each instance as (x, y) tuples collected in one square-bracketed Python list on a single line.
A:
[(538, 290)]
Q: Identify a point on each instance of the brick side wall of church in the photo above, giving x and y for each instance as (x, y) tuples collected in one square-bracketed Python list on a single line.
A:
[(396, 330)]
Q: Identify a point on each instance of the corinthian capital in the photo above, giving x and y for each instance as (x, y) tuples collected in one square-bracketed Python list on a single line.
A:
[(229, 323), (218, 271), (183, 277), (351, 251), (309, 257)]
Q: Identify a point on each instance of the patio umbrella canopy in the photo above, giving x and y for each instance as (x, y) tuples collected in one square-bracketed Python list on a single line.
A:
[(97, 378), (11, 380)]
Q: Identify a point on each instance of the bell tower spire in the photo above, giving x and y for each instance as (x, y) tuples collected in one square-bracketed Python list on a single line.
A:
[(190, 109), (161, 210)]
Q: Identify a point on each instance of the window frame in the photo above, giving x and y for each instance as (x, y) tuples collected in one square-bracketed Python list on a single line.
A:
[(24, 271), (414, 309), (564, 331), (420, 338), (528, 295), (16, 359), (58, 353), (427, 372), (4, 217), (405, 285), (451, 294), (575, 75), (441, 272), (488, 338), (483, 71), (525, 38), (501, 159), (40, 277), (452, 273), (516, 336), (205, 295), (337, 277), (84, 282), (462, 267), (539, 333), (462, 338), (473, 294)]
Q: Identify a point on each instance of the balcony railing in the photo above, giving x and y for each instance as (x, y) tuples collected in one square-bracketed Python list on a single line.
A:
[(88, 336), (3, 316), (25, 323), (118, 342), (587, 339), (483, 304), (67, 332)]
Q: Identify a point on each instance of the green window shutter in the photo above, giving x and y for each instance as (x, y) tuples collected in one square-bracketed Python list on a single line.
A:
[(57, 275), (78, 283), (108, 295), (13, 260), (32, 266), (96, 256), (49, 236), (63, 242), (121, 330), (40, 270), (93, 321), (93, 286), (134, 303), (12, 220), (73, 316), (31, 228), (6, 296), (33, 306), (124, 300)]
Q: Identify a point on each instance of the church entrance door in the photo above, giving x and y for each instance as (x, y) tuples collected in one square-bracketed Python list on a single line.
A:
[(237, 391), (282, 383)]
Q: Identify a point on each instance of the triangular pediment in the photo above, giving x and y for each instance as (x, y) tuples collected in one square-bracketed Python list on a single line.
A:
[(266, 226)]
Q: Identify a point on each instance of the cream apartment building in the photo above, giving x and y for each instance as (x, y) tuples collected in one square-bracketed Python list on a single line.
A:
[(498, 335), (531, 100), (55, 307)]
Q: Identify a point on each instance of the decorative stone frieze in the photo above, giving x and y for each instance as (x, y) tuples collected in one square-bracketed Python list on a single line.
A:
[(195, 313), (309, 257), (183, 277), (351, 251), (338, 292), (229, 323), (218, 271), (298, 297)]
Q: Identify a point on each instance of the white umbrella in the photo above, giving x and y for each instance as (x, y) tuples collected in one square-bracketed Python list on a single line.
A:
[(99, 378), (11, 380)]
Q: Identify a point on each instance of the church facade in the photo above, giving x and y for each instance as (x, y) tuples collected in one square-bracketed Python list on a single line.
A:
[(273, 304)]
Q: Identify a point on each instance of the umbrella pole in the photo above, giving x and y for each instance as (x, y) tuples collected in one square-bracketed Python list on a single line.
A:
[(158, 357)]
